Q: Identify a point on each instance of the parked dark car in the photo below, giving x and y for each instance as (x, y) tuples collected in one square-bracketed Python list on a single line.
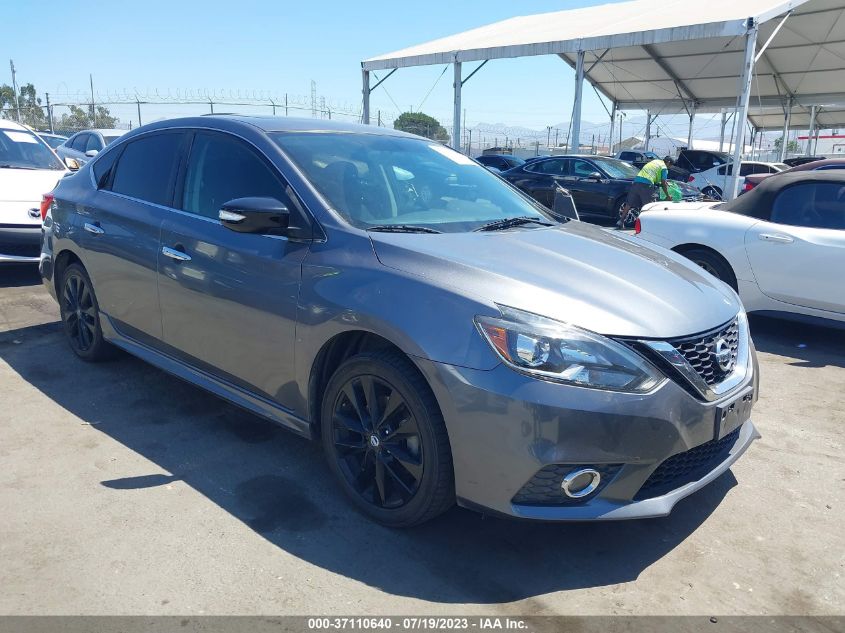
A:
[(598, 184), (432, 326), (801, 160), (753, 180), (502, 162)]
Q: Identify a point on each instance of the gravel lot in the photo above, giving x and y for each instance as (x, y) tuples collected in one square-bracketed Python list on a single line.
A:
[(126, 491)]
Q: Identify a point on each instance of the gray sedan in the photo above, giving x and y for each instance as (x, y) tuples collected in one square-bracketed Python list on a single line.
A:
[(84, 145), (441, 336)]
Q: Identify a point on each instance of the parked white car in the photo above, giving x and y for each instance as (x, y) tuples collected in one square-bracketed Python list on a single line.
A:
[(715, 181), (29, 168), (781, 245)]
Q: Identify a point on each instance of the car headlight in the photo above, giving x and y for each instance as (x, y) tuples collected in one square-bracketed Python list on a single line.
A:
[(553, 350)]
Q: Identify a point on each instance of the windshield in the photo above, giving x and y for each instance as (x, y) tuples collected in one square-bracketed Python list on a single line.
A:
[(615, 168), (21, 149), (374, 180)]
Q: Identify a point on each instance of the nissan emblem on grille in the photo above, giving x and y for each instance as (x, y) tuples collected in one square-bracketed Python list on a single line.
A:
[(712, 355)]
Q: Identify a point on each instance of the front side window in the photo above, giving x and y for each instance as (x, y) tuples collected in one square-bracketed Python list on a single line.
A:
[(21, 149), (79, 142), (94, 143), (374, 180), (222, 168), (582, 169), (818, 205), (147, 166)]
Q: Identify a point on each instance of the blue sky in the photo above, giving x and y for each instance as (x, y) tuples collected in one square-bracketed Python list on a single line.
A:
[(281, 46)]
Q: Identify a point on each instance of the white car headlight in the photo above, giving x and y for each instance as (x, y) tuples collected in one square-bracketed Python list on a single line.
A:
[(549, 349)]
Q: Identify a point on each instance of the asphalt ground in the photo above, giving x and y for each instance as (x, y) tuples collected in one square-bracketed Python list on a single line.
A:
[(126, 491)]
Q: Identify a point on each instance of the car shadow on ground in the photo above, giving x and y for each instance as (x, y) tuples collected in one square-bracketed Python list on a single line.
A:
[(808, 345), (278, 485)]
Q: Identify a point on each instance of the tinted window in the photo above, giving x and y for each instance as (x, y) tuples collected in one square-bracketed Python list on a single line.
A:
[(811, 204), (146, 168), (552, 167), (93, 143), (827, 167), (103, 167), (78, 142), (222, 168), (627, 156), (582, 169)]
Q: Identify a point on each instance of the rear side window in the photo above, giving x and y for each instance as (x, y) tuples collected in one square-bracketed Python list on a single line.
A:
[(222, 168), (552, 167), (147, 166), (79, 142), (103, 167), (819, 205), (627, 156)]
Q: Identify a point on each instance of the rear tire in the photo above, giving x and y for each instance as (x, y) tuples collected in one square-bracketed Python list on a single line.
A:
[(386, 441), (80, 314), (714, 264)]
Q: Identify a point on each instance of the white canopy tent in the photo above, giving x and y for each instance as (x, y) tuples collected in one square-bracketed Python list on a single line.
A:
[(669, 56)]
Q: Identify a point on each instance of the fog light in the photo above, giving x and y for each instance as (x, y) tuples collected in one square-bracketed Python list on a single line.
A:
[(580, 483)]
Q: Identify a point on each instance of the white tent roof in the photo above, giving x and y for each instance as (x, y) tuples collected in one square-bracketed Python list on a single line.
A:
[(661, 54)]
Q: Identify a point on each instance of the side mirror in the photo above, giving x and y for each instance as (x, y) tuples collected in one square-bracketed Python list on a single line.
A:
[(72, 164), (91, 153), (255, 215), (595, 176)]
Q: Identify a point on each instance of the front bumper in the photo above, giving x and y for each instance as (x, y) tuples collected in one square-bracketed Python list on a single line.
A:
[(504, 428), (20, 243)]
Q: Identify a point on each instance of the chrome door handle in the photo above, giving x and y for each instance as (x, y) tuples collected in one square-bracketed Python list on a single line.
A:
[(172, 253), (776, 237), (93, 228)]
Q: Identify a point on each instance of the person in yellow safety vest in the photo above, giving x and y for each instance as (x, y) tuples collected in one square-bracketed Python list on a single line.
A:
[(653, 174)]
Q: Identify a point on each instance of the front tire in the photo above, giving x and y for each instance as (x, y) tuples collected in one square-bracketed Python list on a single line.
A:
[(385, 440), (80, 314)]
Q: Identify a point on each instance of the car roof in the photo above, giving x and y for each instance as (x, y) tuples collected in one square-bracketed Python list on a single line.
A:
[(819, 163)]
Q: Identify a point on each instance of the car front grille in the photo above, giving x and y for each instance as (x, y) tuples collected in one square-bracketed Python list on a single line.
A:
[(686, 467), (544, 488), (700, 352)]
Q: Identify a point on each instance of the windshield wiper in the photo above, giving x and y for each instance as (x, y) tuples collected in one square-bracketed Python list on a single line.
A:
[(507, 223), (402, 228)]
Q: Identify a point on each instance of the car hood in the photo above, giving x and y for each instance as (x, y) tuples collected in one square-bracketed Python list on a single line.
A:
[(577, 273)]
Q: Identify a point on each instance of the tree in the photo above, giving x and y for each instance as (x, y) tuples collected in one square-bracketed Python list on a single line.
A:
[(421, 124), (28, 104), (791, 146), (80, 119)]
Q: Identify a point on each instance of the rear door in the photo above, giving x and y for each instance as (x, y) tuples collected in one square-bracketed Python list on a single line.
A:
[(120, 225), (228, 299), (798, 256)]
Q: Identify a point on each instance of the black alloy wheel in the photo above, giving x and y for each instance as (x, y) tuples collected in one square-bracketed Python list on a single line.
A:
[(386, 441), (80, 315)]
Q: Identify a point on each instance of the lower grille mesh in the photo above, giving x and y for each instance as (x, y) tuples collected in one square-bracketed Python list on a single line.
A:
[(544, 488)]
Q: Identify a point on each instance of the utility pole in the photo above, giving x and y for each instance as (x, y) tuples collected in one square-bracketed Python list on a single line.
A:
[(138, 102), (556, 132), (15, 90), (49, 112), (548, 136), (93, 112)]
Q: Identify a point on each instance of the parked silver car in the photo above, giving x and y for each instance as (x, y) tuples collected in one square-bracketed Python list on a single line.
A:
[(84, 145), (433, 327)]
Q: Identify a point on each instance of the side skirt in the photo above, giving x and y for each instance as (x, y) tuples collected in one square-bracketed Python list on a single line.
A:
[(236, 395)]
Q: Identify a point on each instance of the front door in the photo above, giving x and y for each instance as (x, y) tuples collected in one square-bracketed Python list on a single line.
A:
[(228, 299), (799, 255)]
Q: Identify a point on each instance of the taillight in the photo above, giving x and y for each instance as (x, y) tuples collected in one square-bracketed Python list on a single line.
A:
[(637, 226), (690, 178), (748, 186), (46, 201)]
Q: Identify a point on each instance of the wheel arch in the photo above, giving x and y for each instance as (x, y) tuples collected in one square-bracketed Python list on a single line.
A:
[(64, 259), (683, 249)]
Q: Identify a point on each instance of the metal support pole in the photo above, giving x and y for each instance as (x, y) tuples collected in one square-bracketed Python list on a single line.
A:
[(365, 114), (787, 119), (15, 91), (813, 112), (742, 105), (286, 104), (722, 134), (138, 103), (456, 120), (576, 108), (93, 110), (691, 125), (647, 130), (49, 112), (612, 128)]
